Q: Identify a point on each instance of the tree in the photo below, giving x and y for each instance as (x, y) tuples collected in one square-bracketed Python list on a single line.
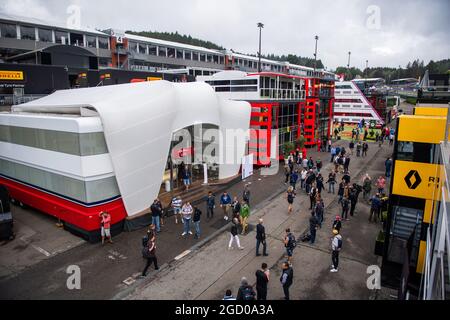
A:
[(288, 147), (300, 142)]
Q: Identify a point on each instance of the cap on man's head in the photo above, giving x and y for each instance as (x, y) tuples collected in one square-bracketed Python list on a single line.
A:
[(335, 232)]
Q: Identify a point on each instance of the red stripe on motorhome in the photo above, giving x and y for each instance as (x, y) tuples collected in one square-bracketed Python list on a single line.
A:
[(85, 218)]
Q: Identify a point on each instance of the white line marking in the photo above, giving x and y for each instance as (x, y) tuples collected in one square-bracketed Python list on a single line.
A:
[(184, 254), (44, 252)]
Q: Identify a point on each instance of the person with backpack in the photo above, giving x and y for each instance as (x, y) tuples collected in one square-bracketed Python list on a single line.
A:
[(319, 210), (245, 214), (210, 205), (286, 279), (337, 224), (261, 238), (290, 195), (309, 181), (353, 198), (177, 204), (289, 243), (294, 179), (225, 204), (246, 194), (234, 235), (105, 223), (187, 212), (262, 279), (156, 210), (336, 246), (345, 208), (149, 253), (313, 226), (196, 220), (236, 208), (245, 291), (375, 206), (310, 163), (312, 197), (331, 181), (319, 183), (365, 148), (367, 186)]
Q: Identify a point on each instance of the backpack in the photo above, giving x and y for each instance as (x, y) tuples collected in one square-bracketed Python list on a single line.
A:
[(339, 246), (145, 241), (248, 293), (292, 243), (290, 197), (146, 253)]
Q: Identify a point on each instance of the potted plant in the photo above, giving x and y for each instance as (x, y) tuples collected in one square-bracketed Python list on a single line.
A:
[(288, 148), (379, 244)]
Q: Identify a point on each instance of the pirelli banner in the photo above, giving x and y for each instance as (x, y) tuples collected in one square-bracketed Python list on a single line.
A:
[(11, 75), (417, 180)]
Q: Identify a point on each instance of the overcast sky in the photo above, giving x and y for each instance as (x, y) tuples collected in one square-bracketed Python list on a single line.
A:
[(385, 32)]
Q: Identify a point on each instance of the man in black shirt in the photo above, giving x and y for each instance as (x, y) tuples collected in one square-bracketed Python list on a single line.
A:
[(262, 278), (261, 238)]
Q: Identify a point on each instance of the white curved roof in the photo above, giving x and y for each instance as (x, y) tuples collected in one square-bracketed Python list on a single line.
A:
[(138, 121)]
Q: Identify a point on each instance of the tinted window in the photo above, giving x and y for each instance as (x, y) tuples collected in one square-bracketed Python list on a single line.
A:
[(91, 42), (59, 35), (142, 48), (103, 43), (162, 51), (45, 35), (8, 30), (27, 33), (152, 50)]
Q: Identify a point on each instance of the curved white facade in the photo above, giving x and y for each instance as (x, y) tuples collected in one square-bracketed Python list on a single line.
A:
[(138, 121)]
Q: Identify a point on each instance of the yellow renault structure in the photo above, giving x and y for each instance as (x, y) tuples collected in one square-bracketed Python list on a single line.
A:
[(416, 186)]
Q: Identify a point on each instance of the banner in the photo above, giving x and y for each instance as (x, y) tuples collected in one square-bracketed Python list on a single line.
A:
[(11, 75), (247, 166)]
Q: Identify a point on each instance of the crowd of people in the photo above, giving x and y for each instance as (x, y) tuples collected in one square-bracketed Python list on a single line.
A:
[(303, 175)]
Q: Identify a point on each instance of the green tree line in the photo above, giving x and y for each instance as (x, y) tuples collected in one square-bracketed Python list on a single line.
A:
[(415, 69)]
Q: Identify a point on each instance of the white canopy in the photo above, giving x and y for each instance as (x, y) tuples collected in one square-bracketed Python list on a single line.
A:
[(138, 121)]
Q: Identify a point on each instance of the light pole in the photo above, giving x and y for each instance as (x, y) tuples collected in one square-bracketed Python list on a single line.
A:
[(367, 69), (260, 26), (315, 54), (348, 65)]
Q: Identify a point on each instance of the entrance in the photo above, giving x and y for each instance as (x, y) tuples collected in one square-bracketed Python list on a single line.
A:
[(189, 153)]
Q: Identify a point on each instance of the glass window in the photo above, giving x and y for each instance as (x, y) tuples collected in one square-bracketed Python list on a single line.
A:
[(179, 54), (216, 59), (195, 56), (103, 43), (132, 46), (221, 60), (27, 33), (171, 52), (188, 55), (45, 35), (8, 30), (142, 48), (203, 57), (162, 52), (152, 50), (209, 58), (61, 37), (91, 42)]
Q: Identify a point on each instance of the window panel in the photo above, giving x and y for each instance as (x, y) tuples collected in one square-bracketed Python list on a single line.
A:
[(195, 56), (60, 35), (162, 51), (152, 50), (8, 30), (142, 48), (103, 43), (45, 35), (91, 42), (27, 33)]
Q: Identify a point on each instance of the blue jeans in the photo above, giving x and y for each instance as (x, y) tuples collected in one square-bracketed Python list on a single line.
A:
[(258, 243), (155, 222), (197, 228), (187, 225), (331, 187)]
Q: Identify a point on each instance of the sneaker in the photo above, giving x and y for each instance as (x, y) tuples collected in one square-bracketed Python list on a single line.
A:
[(225, 218), (334, 270), (183, 234), (265, 255), (157, 268), (258, 255), (190, 232)]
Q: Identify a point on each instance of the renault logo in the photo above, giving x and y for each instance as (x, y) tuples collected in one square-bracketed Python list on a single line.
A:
[(413, 179)]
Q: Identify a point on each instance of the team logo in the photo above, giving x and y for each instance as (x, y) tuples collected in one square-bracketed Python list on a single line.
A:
[(413, 179)]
